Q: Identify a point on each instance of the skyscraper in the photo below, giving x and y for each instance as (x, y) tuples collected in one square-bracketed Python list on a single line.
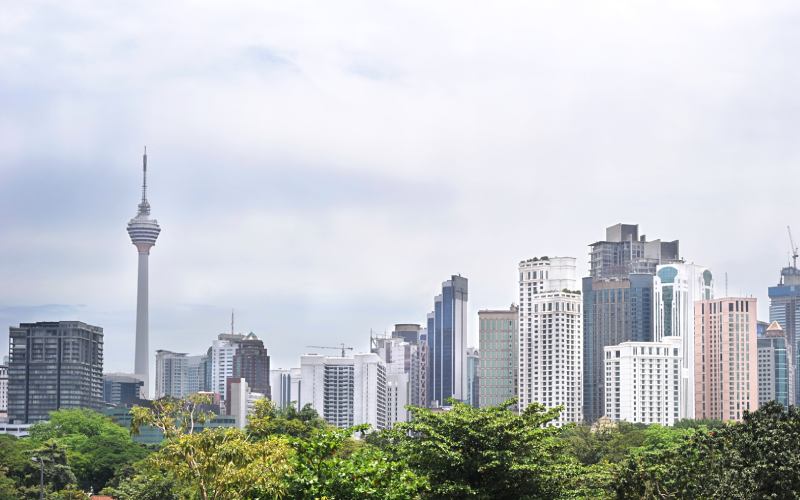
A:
[(498, 344), (251, 362), (447, 343), (676, 287), (550, 336), (726, 358), (143, 232), (775, 370), (53, 366), (784, 307), (617, 302)]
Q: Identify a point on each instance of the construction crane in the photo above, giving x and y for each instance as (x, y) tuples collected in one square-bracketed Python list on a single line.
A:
[(793, 248), (341, 346)]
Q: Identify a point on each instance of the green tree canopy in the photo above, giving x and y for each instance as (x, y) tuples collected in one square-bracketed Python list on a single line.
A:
[(96, 447), (493, 452)]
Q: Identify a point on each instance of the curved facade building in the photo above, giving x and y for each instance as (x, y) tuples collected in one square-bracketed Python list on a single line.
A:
[(676, 288)]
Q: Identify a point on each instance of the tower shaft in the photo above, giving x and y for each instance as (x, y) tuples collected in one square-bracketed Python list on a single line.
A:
[(142, 358)]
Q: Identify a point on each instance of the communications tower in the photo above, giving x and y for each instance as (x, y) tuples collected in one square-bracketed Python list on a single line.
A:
[(143, 232)]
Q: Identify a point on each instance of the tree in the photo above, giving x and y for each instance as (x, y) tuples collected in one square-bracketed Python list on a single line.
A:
[(267, 420), (484, 453), (57, 473), (172, 416), (215, 463), (756, 458), (223, 463), (330, 464), (96, 447)]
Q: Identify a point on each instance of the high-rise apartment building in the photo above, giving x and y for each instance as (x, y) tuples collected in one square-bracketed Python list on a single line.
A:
[(676, 287), (53, 366), (143, 232), (122, 389), (171, 374), (418, 378), (251, 362), (550, 336), (784, 307), (726, 358), (643, 381), (345, 391), (775, 377), (617, 302), (473, 377), (397, 355), (498, 344), (197, 368), (447, 343)]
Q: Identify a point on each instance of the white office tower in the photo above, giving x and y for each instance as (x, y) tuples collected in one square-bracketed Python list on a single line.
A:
[(221, 359), (345, 391), (642, 381), (280, 381), (676, 287), (551, 336)]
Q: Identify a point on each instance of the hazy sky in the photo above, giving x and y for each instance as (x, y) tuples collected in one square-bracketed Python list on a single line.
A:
[(323, 167)]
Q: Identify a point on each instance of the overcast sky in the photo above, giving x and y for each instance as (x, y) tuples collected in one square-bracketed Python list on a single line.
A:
[(323, 167)]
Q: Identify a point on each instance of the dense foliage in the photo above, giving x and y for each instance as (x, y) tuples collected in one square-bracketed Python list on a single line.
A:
[(81, 451), (461, 453)]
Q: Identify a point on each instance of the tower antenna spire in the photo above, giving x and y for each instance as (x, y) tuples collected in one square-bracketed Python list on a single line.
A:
[(232, 332), (144, 175), (144, 206)]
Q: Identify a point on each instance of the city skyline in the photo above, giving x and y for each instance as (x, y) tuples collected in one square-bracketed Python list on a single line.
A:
[(274, 205)]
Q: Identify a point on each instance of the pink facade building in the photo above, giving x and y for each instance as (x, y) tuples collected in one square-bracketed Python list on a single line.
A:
[(726, 358)]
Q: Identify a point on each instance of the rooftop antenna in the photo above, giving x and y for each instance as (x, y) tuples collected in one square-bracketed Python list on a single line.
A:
[(232, 321)]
